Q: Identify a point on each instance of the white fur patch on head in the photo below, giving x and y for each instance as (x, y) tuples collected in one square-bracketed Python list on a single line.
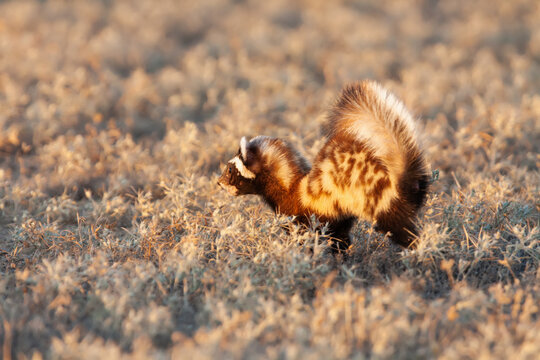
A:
[(242, 169), (243, 147)]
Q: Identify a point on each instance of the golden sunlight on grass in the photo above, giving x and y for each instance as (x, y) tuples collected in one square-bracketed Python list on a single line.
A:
[(116, 242)]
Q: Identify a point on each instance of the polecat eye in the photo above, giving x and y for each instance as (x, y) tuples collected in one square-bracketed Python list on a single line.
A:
[(230, 169)]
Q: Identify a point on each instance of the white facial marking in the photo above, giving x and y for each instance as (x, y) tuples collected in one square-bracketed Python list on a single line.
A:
[(242, 169), (243, 147)]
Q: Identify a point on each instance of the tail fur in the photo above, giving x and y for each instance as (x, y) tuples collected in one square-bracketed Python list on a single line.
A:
[(378, 119)]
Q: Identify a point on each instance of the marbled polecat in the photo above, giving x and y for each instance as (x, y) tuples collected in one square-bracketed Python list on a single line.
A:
[(370, 167)]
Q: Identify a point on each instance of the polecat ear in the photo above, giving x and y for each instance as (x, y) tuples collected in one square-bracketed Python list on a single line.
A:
[(243, 148), (249, 155)]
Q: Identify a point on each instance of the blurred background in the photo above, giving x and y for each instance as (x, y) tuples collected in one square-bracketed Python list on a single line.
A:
[(115, 117), (143, 66)]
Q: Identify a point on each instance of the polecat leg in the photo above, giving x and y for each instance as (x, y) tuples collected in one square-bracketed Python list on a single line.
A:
[(403, 230), (340, 231)]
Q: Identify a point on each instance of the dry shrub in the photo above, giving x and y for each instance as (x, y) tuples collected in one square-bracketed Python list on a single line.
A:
[(115, 242)]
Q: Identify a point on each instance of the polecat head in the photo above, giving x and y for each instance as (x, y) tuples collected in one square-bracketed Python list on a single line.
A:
[(239, 177)]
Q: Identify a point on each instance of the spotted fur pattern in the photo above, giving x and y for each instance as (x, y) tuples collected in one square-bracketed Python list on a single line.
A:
[(370, 167)]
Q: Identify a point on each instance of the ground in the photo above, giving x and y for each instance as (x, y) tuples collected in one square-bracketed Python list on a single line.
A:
[(116, 242)]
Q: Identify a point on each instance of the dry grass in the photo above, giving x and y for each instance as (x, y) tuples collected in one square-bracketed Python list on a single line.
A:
[(115, 241)]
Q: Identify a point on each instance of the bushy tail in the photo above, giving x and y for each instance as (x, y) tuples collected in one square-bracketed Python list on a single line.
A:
[(375, 116)]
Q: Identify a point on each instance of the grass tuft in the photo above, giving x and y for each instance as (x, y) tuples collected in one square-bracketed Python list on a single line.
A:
[(116, 242)]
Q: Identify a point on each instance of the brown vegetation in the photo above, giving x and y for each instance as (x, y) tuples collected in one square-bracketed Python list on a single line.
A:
[(115, 241)]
